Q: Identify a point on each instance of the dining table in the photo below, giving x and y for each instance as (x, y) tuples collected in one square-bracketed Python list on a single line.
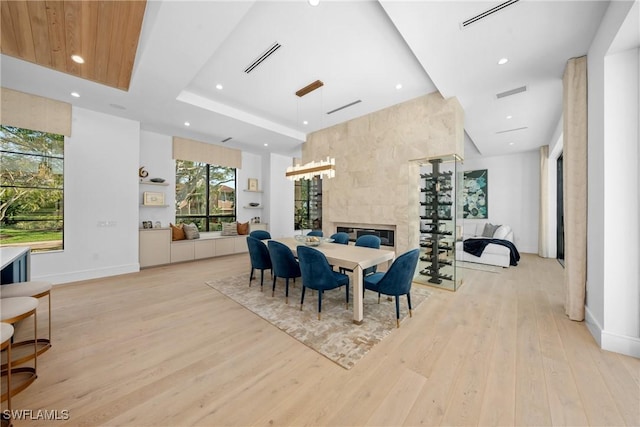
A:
[(351, 257)]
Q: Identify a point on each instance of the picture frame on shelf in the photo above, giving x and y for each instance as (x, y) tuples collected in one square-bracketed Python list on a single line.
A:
[(252, 184), (151, 198), (147, 224)]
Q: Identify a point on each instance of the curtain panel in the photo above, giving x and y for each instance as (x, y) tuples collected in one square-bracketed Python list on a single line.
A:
[(543, 226), (575, 185)]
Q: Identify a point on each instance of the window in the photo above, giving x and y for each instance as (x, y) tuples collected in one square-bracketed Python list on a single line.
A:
[(308, 204), (31, 189), (205, 194)]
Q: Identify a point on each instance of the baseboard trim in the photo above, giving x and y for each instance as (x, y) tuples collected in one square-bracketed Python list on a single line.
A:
[(622, 344), (97, 273), (610, 341), (593, 325)]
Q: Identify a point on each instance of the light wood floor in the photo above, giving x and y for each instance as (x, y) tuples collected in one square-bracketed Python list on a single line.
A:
[(160, 348)]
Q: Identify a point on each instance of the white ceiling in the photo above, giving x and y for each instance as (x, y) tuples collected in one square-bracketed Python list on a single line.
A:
[(360, 49)]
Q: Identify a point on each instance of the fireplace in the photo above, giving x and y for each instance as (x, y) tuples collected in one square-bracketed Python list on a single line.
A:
[(386, 236)]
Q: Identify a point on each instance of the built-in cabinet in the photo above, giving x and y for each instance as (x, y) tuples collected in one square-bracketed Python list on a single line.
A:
[(439, 187)]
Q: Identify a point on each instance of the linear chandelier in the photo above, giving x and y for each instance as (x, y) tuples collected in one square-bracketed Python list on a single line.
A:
[(323, 168)]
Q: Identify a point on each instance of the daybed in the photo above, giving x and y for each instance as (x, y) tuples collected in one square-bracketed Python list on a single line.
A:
[(488, 244)]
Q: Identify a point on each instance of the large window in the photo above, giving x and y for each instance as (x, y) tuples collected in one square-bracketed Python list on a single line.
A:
[(31, 189), (205, 194)]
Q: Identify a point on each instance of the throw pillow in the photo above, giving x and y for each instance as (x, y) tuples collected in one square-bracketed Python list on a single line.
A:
[(177, 232), (501, 232), (489, 230), (229, 229), (243, 228), (191, 231)]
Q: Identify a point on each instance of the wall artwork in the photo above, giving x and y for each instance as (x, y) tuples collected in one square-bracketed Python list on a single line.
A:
[(474, 193)]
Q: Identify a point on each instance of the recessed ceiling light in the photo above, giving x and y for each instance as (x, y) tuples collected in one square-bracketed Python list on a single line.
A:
[(219, 86), (77, 58), (266, 145), (187, 124), (75, 94), (511, 143), (509, 117), (399, 86), (503, 61), (305, 122), (314, 2)]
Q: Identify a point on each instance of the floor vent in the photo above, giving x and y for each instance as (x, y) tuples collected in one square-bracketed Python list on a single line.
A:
[(511, 92), (487, 13), (344, 106), (275, 46)]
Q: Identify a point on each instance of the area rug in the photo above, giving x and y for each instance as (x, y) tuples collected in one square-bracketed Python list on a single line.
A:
[(479, 267), (335, 336)]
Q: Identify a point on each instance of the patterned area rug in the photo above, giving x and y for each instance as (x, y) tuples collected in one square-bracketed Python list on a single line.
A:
[(335, 336)]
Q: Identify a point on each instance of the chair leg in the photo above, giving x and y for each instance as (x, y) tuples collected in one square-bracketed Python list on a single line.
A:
[(261, 277), (250, 276), (302, 298), (273, 288), (286, 290), (378, 297), (409, 302), (319, 303), (397, 311)]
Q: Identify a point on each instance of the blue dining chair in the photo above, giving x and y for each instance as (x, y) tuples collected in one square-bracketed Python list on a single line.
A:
[(340, 237), (396, 281), (284, 264), (368, 241), (260, 234), (317, 233), (260, 259), (317, 274)]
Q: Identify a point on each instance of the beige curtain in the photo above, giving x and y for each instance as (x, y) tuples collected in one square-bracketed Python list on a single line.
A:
[(33, 112), (196, 151), (543, 221), (575, 185)]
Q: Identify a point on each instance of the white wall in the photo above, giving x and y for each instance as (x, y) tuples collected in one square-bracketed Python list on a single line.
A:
[(281, 197), (100, 201), (621, 212), (156, 155), (251, 168), (513, 195), (612, 87)]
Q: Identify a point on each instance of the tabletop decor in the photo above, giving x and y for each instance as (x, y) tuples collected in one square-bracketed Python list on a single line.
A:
[(335, 336)]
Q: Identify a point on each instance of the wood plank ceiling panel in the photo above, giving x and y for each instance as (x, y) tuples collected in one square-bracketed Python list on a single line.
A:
[(47, 33)]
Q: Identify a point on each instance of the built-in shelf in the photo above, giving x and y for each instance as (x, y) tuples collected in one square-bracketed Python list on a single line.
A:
[(154, 183), (252, 191), (154, 206), (252, 207)]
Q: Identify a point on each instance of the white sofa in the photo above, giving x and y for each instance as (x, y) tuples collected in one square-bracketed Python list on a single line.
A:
[(493, 254)]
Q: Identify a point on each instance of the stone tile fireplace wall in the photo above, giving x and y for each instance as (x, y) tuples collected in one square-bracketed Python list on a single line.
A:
[(377, 175)]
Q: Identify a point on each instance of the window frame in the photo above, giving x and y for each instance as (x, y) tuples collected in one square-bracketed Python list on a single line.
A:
[(57, 186), (206, 219)]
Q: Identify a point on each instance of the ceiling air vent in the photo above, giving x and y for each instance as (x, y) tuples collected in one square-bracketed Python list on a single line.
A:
[(512, 130), (227, 139), (511, 92), (275, 46), (487, 13), (344, 106)]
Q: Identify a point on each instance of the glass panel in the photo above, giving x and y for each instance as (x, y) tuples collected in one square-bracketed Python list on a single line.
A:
[(222, 191), (191, 183), (31, 141)]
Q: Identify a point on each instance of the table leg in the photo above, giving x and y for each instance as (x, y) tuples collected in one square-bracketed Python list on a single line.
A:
[(358, 286)]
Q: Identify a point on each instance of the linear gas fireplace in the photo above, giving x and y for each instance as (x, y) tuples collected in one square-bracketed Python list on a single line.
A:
[(386, 236)]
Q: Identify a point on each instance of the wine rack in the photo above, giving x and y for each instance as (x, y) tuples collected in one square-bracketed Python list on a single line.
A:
[(437, 224)]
